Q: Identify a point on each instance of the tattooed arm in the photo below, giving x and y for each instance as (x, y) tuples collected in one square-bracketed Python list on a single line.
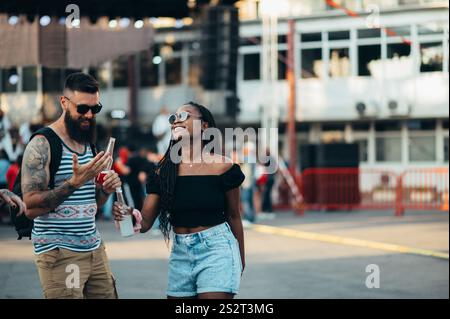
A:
[(36, 176), (35, 179)]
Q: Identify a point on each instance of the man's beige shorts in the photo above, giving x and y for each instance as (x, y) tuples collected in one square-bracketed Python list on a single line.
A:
[(66, 274)]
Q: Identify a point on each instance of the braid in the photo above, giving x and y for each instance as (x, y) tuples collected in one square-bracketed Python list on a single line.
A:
[(167, 171)]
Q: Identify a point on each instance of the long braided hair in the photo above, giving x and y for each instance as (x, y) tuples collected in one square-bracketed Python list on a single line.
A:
[(167, 172)]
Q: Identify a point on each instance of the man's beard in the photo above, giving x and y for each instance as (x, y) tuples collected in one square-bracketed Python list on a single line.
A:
[(77, 132)]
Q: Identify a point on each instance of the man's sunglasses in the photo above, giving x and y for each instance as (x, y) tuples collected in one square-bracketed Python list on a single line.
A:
[(84, 108), (182, 116)]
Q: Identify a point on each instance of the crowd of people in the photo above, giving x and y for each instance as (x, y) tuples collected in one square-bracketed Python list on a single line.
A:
[(12, 145)]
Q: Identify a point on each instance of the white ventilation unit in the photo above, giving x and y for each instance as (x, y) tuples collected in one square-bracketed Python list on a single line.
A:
[(398, 108)]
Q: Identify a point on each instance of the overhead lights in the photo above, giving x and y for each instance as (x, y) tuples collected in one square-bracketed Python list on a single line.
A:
[(13, 20), (124, 22), (13, 79), (139, 24), (76, 23), (45, 21), (112, 24), (118, 114), (157, 60)]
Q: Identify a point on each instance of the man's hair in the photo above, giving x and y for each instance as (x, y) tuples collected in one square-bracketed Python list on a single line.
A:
[(81, 82)]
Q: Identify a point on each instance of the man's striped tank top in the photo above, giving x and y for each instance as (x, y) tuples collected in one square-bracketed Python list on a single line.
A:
[(72, 224)]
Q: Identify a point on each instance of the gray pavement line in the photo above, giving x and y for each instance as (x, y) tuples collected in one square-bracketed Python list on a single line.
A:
[(348, 241)]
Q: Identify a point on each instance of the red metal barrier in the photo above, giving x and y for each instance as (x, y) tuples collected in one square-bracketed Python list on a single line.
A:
[(348, 188), (367, 189), (424, 189)]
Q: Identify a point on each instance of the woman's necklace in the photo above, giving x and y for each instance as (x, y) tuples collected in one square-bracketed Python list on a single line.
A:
[(196, 161)]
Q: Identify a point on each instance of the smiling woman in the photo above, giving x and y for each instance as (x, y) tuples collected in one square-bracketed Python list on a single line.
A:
[(199, 200)]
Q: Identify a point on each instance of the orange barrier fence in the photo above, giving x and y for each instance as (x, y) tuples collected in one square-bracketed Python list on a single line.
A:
[(424, 189), (366, 189)]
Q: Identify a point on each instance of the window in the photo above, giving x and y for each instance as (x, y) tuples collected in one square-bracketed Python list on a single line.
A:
[(282, 39), (432, 57), (29, 76), (333, 127), (10, 79), (421, 125), (395, 50), (431, 28), (367, 54), (120, 72), (339, 35), (363, 147), (311, 37), (446, 149), (361, 126), (251, 66), (102, 74), (312, 63), (68, 72), (445, 124), (369, 33), (282, 67), (52, 80), (194, 70), (389, 149), (339, 63), (149, 70), (403, 31), (250, 41), (422, 148), (388, 126), (173, 71)]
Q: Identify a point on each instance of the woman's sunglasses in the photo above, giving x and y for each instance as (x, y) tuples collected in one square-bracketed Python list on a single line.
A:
[(182, 116), (84, 108)]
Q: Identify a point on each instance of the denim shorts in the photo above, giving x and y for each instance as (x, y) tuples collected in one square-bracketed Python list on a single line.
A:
[(207, 261)]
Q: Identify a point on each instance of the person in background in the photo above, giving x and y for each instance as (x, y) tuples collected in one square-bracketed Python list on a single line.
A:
[(13, 172), (267, 209), (248, 168), (5, 137), (138, 165), (17, 147), (153, 159), (161, 130), (8, 201), (25, 132), (4, 165)]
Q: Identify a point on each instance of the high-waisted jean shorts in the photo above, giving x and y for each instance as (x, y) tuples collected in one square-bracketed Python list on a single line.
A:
[(207, 261)]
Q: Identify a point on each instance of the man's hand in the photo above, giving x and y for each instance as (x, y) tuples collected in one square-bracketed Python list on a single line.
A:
[(84, 173), (12, 200), (111, 182)]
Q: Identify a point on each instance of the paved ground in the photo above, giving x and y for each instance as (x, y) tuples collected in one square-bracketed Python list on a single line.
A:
[(278, 266)]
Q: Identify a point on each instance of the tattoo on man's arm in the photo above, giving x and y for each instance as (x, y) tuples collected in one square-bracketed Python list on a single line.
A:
[(53, 198), (35, 158), (35, 176)]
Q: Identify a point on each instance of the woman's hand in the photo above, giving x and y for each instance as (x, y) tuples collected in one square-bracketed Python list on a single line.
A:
[(119, 211), (14, 201)]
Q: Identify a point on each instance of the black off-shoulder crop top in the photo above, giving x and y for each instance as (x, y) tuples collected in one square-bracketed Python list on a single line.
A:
[(199, 200)]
